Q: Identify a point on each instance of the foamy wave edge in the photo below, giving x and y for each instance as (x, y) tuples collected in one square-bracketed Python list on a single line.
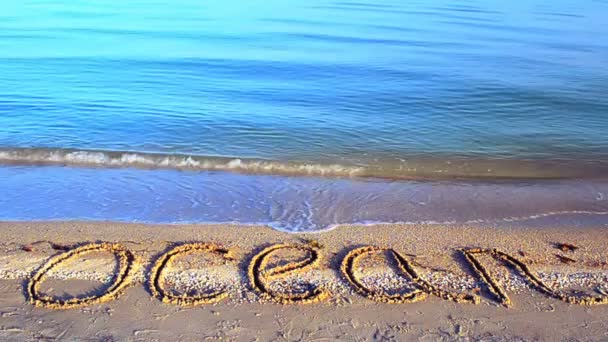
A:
[(115, 159), (329, 227)]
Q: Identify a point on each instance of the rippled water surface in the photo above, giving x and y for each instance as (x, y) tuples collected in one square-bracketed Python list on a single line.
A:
[(378, 89), (382, 83)]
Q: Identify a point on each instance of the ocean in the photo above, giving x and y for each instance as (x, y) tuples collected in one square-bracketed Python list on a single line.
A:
[(304, 115)]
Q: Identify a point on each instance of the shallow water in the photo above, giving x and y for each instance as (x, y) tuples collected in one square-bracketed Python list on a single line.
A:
[(291, 203), (284, 92)]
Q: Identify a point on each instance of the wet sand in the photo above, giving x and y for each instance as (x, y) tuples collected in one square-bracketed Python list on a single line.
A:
[(245, 312)]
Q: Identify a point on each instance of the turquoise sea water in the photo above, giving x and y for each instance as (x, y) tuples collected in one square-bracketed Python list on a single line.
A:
[(434, 91)]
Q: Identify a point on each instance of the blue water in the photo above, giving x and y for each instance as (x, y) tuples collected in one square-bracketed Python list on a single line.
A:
[(349, 89), (385, 84)]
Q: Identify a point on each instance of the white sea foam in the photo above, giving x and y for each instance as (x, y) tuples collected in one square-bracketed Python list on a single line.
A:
[(165, 161), (426, 168)]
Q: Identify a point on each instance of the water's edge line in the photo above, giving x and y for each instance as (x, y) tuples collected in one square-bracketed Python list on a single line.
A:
[(276, 226)]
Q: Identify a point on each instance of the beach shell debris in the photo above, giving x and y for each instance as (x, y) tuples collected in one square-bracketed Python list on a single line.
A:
[(565, 259), (566, 247)]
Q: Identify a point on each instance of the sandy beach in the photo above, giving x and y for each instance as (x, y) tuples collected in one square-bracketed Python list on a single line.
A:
[(246, 283)]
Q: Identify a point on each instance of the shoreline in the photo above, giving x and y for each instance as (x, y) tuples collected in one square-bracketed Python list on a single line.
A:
[(514, 222), (432, 250), (290, 203)]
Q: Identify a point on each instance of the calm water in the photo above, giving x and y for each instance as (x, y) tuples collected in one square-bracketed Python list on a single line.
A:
[(378, 89)]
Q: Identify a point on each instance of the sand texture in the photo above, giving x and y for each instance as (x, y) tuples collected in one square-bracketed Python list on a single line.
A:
[(114, 281)]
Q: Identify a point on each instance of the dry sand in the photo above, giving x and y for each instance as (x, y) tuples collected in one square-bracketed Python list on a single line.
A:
[(247, 315)]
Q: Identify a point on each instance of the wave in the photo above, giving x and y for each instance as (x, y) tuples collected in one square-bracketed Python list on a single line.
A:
[(411, 169), (117, 159)]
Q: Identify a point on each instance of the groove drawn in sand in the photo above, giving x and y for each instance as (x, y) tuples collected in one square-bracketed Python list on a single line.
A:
[(156, 280), (262, 272), (405, 266), (525, 271), (126, 262), (260, 275)]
